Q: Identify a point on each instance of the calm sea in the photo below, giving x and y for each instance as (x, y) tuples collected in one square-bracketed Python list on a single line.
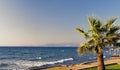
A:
[(21, 58)]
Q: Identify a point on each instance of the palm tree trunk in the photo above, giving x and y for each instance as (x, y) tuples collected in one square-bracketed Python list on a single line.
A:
[(100, 61)]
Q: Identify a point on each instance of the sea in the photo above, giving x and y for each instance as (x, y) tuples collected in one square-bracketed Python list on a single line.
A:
[(23, 58)]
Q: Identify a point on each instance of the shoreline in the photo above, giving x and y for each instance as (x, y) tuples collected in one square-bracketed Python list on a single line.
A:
[(79, 66)]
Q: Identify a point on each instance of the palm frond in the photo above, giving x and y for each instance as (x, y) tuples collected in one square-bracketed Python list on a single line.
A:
[(91, 41), (110, 22), (80, 30), (84, 48), (92, 21), (102, 25), (102, 28), (111, 36), (114, 29)]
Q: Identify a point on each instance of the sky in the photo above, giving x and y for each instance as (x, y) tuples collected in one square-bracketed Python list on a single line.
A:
[(50, 22)]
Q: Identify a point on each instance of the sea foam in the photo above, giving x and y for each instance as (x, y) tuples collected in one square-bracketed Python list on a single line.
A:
[(24, 64)]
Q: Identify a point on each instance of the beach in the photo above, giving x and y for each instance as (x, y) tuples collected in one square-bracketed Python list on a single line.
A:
[(83, 65)]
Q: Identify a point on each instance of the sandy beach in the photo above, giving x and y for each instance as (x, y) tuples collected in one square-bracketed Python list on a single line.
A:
[(81, 65)]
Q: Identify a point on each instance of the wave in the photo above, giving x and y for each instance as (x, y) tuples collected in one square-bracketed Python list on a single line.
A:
[(24, 64), (39, 58), (92, 58), (35, 59), (96, 57), (37, 63), (62, 60)]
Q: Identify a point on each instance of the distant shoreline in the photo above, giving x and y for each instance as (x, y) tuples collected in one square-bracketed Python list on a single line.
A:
[(38, 46)]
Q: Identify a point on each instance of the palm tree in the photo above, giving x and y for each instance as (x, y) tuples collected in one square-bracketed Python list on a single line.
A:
[(98, 37)]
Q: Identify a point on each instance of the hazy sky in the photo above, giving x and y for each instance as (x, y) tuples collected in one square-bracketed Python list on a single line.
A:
[(41, 22)]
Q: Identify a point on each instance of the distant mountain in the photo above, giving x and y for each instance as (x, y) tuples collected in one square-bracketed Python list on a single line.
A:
[(63, 45)]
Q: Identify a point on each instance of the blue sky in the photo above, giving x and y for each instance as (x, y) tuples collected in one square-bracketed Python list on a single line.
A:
[(43, 22)]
